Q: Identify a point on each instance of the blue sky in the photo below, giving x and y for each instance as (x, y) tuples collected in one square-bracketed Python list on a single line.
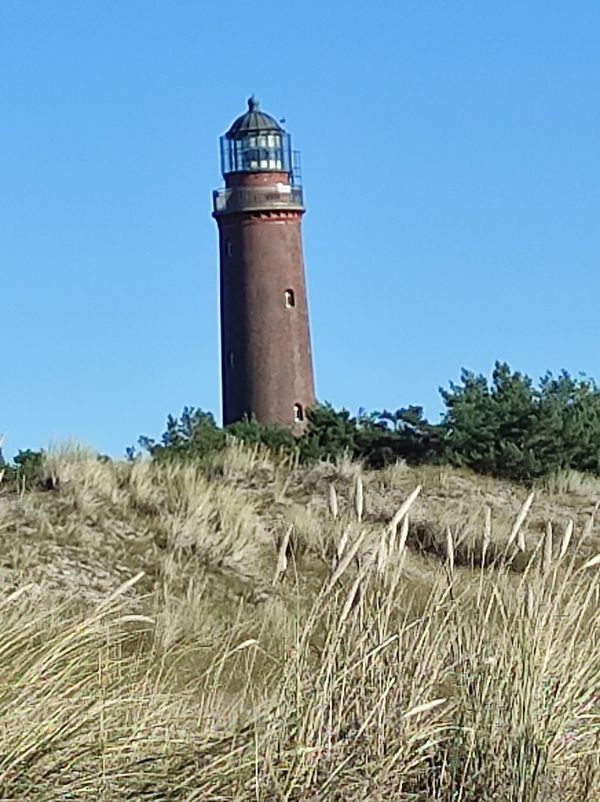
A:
[(451, 166)]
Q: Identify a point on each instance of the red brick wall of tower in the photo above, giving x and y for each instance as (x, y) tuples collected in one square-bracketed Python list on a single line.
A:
[(266, 358)]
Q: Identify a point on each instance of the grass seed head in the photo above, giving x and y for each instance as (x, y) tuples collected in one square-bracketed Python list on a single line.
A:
[(519, 521), (591, 563), (548, 547), (487, 528), (566, 538), (358, 497), (333, 501), (450, 550)]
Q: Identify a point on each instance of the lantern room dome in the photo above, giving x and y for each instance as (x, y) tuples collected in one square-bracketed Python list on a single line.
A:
[(254, 121)]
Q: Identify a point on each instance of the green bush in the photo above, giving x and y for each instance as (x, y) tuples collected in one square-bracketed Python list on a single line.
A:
[(277, 438), (25, 471), (329, 434), (386, 437), (512, 429), (507, 427), (194, 434)]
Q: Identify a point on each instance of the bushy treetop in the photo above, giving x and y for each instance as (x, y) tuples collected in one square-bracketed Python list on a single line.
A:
[(506, 427)]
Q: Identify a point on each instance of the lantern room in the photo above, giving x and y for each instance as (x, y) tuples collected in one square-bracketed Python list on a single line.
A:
[(257, 143)]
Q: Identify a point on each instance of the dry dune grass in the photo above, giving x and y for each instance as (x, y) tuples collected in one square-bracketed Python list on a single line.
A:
[(252, 630)]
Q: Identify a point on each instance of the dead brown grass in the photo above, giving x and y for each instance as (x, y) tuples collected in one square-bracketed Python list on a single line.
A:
[(281, 633)]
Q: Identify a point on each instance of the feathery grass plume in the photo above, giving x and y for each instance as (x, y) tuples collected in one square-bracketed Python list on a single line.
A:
[(426, 707), (382, 553), (391, 532), (393, 535), (566, 538), (240, 647), (354, 591), (592, 563), (548, 549), (530, 602), (340, 547), (344, 563), (133, 618), (404, 508), (487, 532), (333, 501), (282, 560), (486, 541), (519, 521), (119, 592), (358, 497), (400, 548), (403, 535), (450, 551)]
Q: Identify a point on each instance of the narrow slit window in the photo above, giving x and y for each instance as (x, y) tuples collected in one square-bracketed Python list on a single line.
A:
[(228, 247), (298, 413), (231, 359), (290, 299)]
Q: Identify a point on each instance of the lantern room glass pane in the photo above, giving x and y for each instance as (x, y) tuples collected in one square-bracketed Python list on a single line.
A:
[(256, 152)]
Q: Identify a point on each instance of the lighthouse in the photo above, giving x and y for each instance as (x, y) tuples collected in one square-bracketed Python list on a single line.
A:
[(266, 361)]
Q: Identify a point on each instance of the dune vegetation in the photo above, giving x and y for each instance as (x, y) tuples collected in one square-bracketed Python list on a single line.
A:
[(249, 628)]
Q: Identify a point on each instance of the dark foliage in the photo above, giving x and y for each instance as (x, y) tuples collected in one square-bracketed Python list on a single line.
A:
[(510, 428), (386, 437), (194, 434), (25, 470), (507, 427)]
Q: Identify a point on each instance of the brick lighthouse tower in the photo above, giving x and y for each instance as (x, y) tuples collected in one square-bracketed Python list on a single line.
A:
[(266, 360)]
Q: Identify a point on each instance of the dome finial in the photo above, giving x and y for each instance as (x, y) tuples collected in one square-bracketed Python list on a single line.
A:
[(252, 121)]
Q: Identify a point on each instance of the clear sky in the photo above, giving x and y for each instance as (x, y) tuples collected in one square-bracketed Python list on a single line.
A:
[(451, 164)]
